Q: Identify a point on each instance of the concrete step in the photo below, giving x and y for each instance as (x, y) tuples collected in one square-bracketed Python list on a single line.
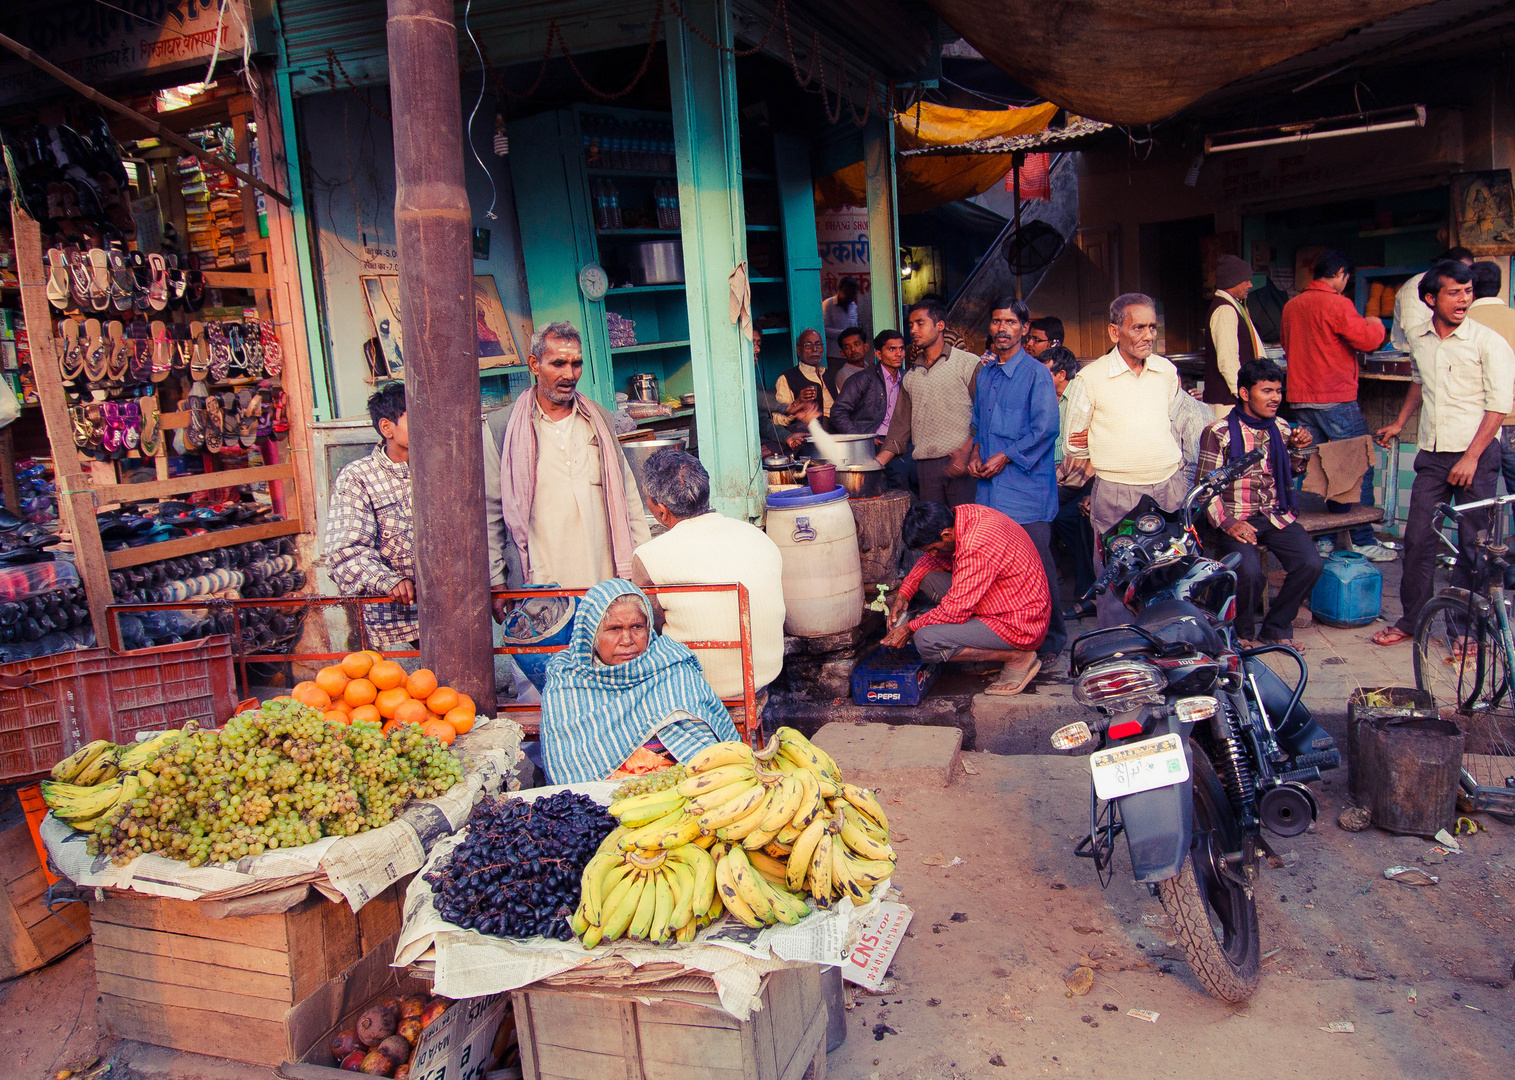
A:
[(883, 755)]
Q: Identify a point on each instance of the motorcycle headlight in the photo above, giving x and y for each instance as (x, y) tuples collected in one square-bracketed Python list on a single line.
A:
[(1119, 684)]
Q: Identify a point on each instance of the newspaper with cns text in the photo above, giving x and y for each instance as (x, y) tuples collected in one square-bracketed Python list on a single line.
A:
[(355, 868), (466, 963)]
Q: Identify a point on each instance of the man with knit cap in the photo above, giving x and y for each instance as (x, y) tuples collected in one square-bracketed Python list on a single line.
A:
[(1118, 421), (1231, 340)]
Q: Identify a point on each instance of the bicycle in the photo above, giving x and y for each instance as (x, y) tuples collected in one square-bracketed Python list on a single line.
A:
[(1464, 658)]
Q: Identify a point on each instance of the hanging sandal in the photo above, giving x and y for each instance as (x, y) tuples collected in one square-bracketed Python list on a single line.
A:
[(220, 351), (183, 346), (95, 416), (252, 348), (162, 352), (99, 279), (214, 419), (147, 408), (94, 351), (281, 415), (131, 424), (249, 411), (122, 283), (139, 359), (194, 435), (266, 412), (157, 292), (82, 429), (119, 353), (273, 354), (234, 341), (57, 279), (142, 281), (199, 357), (231, 425), (71, 359), (81, 277)]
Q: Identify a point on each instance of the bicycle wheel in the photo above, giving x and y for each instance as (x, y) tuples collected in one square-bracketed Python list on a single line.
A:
[(1460, 661)]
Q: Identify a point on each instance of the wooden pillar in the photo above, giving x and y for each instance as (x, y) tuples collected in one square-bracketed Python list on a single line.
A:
[(76, 503), (791, 158), (434, 227), (703, 80), (883, 223)]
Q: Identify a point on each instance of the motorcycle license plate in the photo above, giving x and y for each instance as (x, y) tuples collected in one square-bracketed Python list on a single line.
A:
[(1142, 766)]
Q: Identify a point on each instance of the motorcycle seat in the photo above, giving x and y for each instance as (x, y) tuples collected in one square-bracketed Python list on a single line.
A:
[(1167, 620)]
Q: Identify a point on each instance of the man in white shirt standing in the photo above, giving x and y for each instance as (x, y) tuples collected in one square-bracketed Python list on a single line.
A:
[(1118, 420), (1464, 385), (838, 313), (702, 547), (1411, 317)]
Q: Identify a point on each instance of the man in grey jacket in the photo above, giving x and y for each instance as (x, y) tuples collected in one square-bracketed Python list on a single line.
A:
[(866, 404)]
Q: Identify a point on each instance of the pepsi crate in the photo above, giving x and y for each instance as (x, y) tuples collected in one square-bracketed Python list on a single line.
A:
[(892, 677)]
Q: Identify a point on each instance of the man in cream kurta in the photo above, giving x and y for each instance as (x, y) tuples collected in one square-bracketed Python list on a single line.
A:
[(569, 538), (1118, 421)]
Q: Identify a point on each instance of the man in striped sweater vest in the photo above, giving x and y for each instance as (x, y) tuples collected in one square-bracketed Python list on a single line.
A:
[(1117, 424)]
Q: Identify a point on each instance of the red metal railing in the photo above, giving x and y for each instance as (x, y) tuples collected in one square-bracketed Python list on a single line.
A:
[(751, 726)]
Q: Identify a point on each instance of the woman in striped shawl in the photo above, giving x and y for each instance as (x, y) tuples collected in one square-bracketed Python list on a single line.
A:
[(621, 697)]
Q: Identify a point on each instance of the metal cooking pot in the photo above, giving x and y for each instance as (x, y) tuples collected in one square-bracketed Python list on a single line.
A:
[(855, 449), (783, 470), (657, 262), (644, 387), (861, 482)]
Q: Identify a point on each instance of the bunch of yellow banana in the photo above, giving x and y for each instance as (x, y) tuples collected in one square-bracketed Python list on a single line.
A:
[(91, 782), (750, 892), (653, 894)]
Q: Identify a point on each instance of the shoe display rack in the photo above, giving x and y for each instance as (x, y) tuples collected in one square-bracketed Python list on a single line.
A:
[(210, 375)]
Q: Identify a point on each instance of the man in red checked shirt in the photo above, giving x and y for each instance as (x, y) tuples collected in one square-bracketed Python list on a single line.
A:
[(990, 589)]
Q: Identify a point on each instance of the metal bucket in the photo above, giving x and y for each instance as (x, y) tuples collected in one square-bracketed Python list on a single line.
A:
[(657, 262), (1411, 768), (1401, 703)]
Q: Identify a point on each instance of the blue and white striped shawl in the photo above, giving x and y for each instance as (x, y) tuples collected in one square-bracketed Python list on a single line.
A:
[(595, 714)]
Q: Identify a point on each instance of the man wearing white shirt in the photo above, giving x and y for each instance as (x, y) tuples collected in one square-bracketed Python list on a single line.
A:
[(1464, 385), (1410, 315), (838, 313)]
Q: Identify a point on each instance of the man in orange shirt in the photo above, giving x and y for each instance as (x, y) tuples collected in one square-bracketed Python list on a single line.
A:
[(1322, 334)]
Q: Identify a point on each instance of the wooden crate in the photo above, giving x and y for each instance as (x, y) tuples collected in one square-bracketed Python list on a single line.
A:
[(580, 1034), (29, 935), (250, 988)]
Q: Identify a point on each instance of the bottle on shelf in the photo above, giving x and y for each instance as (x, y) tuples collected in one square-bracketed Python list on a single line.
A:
[(601, 204), (592, 156), (612, 205)]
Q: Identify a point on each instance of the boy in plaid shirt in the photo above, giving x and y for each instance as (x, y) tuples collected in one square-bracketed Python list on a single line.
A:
[(370, 533), (1259, 507)]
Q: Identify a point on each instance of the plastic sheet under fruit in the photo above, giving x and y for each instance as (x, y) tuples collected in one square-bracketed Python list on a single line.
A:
[(354, 868), (466, 963)]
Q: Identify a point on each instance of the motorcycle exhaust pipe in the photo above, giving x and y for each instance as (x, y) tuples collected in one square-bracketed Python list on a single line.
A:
[(1288, 809)]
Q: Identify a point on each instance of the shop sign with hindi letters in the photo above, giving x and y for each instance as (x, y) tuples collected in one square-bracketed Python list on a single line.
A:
[(842, 238)]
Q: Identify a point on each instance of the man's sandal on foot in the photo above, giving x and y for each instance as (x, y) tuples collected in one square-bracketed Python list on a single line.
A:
[(1390, 635), (1012, 680)]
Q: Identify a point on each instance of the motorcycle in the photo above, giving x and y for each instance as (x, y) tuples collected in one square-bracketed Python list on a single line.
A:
[(1200, 745)]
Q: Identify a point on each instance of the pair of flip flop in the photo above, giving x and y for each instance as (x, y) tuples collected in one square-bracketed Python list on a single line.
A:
[(219, 421), (111, 428)]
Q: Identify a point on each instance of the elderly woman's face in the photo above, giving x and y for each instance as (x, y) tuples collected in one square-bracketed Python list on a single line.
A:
[(623, 633)]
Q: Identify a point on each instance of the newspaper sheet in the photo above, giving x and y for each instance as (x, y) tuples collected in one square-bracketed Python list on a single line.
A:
[(354, 868), (469, 964)]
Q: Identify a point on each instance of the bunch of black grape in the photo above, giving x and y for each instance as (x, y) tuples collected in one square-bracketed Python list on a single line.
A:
[(516, 874)]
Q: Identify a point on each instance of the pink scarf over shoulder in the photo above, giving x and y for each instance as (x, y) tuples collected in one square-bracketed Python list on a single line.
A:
[(518, 480)]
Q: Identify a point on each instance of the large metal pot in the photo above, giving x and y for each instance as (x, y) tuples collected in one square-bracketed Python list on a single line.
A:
[(861, 481), (657, 262), (638, 451), (855, 450)]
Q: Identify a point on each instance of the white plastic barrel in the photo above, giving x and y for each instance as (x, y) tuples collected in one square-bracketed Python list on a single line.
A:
[(823, 575)]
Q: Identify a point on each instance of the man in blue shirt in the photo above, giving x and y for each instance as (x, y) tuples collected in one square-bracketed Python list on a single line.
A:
[(1016, 423)]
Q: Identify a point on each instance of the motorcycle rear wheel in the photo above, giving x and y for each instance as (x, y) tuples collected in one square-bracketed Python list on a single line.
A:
[(1214, 918)]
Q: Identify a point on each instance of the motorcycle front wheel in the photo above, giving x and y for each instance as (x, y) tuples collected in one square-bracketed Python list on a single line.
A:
[(1214, 917)]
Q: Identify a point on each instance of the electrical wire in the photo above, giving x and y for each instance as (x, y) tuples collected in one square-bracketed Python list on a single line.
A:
[(494, 193)]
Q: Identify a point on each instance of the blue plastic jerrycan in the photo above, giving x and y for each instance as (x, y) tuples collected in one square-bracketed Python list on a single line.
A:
[(1349, 591)]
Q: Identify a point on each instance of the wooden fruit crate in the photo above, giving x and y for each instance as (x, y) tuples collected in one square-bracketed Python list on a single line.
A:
[(29, 935), (251, 988), (611, 1034)]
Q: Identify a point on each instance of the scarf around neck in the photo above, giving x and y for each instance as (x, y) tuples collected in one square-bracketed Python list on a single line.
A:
[(1278, 454)]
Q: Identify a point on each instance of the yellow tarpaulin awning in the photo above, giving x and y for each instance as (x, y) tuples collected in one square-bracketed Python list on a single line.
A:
[(925, 182)]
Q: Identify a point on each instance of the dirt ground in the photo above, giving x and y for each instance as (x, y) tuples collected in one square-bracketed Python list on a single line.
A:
[(1424, 974)]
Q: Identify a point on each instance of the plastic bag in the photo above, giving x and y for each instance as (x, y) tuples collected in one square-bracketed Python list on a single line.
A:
[(10, 408)]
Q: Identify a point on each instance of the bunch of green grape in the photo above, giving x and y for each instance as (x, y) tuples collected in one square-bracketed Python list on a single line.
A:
[(276, 777), (661, 780)]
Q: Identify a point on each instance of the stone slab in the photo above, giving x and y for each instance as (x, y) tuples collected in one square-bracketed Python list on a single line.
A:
[(1023, 723), (810, 714), (140, 1061), (893, 756)]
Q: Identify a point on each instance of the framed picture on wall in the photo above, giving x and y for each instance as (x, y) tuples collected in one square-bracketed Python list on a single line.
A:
[(382, 293), (1483, 212), (497, 347)]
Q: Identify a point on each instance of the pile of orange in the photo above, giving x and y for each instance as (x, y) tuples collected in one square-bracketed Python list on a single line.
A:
[(366, 688)]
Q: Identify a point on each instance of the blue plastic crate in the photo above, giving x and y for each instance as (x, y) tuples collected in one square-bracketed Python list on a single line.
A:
[(892, 677)]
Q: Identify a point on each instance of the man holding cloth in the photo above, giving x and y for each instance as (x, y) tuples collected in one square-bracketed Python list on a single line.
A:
[(1260, 506), (991, 595), (1118, 419), (1232, 339), (1464, 385), (567, 493), (1016, 417)]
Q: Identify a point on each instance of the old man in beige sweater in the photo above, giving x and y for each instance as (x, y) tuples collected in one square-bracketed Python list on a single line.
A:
[(1118, 425)]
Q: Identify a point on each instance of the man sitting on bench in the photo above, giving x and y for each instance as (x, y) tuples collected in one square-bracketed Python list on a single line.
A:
[(1259, 507)]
